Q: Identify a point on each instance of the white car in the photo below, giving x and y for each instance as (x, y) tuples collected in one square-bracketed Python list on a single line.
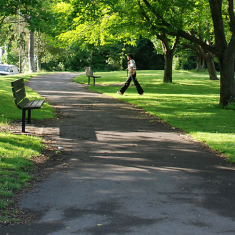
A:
[(6, 69)]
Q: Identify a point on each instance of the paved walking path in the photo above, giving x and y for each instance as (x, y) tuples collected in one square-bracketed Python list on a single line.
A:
[(125, 173)]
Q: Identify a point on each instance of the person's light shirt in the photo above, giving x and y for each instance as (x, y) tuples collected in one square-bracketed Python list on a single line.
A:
[(132, 67)]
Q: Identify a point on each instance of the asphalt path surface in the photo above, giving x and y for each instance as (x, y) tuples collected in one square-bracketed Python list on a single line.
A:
[(125, 173)]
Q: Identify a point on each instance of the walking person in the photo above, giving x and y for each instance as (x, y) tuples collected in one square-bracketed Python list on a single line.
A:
[(132, 76)]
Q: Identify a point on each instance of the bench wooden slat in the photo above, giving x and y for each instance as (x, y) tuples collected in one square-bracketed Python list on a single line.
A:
[(23, 103), (19, 95), (17, 84), (34, 104)]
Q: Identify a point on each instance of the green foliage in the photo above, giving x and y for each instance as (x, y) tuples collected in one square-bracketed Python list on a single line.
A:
[(146, 56), (189, 103), (230, 106), (103, 58), (11, 58), (99, 23)]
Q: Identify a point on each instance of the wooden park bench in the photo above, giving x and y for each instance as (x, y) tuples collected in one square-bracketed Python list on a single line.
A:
[(22, 102), (89, 74)]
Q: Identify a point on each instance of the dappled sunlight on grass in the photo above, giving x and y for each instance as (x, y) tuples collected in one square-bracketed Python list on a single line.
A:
[(224, 142), (190, 103)]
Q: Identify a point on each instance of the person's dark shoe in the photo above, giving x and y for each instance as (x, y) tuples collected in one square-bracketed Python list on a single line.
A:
[(142, 94)]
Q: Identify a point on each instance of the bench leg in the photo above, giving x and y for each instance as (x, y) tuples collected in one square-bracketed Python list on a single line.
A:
[(29, 115), (88, 80), (23, 120)]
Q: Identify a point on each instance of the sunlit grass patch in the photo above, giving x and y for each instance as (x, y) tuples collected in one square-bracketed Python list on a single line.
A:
[(223, 142), (15, 164)]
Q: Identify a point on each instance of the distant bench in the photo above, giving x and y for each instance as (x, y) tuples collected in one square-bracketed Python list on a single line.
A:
[(22, 102), (89, 74)]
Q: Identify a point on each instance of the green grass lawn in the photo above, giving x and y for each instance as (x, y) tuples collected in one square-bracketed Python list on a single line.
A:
[(190, 103), (16, 151)]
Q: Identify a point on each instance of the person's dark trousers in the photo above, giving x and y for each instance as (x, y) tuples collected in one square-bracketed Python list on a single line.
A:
[(128, 81)]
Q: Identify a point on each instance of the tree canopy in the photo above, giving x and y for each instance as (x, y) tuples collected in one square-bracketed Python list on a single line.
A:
[(209, 25)]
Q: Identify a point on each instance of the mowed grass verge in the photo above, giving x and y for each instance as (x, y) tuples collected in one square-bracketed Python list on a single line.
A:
[(190, 103), (16, 151)]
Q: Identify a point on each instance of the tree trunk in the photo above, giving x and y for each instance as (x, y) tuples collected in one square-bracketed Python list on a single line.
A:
[(168, 55), (211, 66), (224, 51), (20, 48), (227, 82), (20, 60), (31, 52), (39, 63), (204, 55), (200, 62)]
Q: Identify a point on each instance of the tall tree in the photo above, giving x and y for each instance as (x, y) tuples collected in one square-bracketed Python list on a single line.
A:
[(35, 13), (168, 52), (225, 49), (167, 47), (223, 18), (112, 22), (204, 55), (31, 52)]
